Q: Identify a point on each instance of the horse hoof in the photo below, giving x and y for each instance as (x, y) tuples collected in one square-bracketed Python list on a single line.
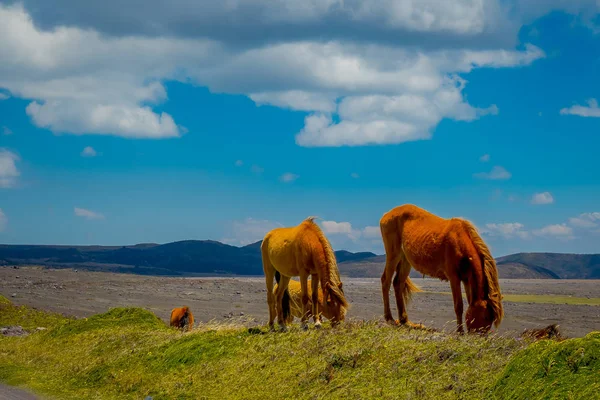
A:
[(304, 327), (318, 325)]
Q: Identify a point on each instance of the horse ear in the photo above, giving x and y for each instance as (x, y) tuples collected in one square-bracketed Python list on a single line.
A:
[(340, 285)]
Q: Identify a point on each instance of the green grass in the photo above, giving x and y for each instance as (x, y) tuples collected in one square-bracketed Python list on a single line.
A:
[(129, 353), (542, 298), (548, 370)]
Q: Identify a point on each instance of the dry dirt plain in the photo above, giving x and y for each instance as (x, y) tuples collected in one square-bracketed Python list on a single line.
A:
[(84, 293)]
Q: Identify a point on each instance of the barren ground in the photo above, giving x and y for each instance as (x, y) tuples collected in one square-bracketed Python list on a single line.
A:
[(85, 293)]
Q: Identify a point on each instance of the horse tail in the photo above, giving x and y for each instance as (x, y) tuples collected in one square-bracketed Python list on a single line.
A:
[(333, 279), (490, 272), (409, 289), (285, 301)]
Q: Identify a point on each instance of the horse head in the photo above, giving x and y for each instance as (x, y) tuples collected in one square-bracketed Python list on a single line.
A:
[(479, 317), (335, 309)]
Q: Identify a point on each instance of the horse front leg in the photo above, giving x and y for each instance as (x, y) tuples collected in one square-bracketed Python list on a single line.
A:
[(304, 288), (458, 303), (315, 300)]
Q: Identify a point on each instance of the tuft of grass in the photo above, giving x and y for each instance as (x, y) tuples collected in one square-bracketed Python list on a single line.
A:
[(128, 353), (553, 370)]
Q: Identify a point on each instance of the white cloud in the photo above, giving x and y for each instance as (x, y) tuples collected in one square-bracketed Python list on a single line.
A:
[(542, 198), (249, 231), (346, 229), (6, 131), (239, 163), (355, 175), (334, 228), (507, 230), (288, 177), (9, 172), (372, 232), (87, 214), (3, 221), (4, 96), (497, 173), (257, 170), (484, 158), (297, 100), (360, 89), (586, 220), (88, 151), (591, 111), (557, 230)]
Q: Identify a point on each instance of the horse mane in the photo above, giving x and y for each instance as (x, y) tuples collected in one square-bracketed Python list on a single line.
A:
[(334, 273), (492, 287)]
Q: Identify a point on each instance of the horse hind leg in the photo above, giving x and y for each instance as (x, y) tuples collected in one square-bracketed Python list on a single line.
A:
[(281, 288), (269, 275), (403, 288), (386, 282)]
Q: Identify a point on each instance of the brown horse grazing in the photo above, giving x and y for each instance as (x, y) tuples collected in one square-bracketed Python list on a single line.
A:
[(448, 249), (292, 302), (302, 250), (182, 318)]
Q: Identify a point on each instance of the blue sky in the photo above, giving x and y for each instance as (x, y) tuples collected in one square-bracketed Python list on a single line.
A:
[(122, 126)]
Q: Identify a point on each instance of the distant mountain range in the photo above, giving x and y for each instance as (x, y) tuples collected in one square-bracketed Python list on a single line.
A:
[(208, 257)]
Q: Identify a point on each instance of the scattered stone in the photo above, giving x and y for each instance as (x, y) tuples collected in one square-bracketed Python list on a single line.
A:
[(241, 313), (238, 292), (40, 328), (13, 295), (17, 276), (13, 331)]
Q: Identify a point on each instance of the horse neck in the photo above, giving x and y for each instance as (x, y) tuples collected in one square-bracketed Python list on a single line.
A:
[(477, 281)]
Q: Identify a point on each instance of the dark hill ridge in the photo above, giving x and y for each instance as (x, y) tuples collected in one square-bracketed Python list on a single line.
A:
[(191, 257)]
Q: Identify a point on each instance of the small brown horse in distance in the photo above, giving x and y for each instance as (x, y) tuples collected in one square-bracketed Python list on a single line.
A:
[(448, 249), (292, 301), (302, 250), (182, 318)]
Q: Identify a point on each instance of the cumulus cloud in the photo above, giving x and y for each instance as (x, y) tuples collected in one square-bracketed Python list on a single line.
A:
[(9, 173), (88, 151), (288, 177), (345, 228), (484, 158), (592, 110), (585, 220), (497, 173), (333, 227), (6, 131), (87, 214), (556, 230), (507, 230), (88, 72), (249, 231), (3, 221), (4, 96), (542, 198), (354, 175), (257, 169), (239, 163)]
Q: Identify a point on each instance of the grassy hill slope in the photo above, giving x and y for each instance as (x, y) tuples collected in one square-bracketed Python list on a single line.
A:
[(129, 353)]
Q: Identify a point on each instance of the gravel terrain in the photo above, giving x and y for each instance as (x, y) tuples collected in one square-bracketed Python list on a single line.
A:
[(84, 293)]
